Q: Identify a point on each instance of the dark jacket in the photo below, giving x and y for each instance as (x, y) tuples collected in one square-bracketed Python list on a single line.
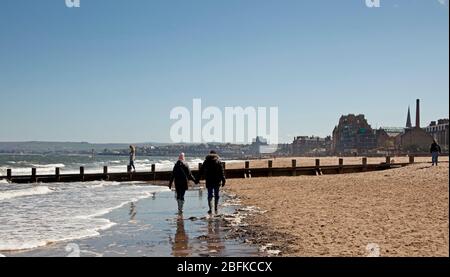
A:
[(212, 170), (181, 174), (435, 148)]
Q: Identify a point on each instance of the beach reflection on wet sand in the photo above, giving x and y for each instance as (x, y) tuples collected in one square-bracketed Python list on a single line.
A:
[(180, 245), (152, 228)]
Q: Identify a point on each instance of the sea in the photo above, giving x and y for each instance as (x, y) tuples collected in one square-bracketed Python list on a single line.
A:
[(38, 215)]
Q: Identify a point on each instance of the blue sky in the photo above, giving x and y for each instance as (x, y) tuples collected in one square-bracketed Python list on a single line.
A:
[(112, 70)]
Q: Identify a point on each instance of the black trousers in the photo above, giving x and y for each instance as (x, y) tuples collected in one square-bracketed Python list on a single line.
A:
[(180, 193), (213, 191)]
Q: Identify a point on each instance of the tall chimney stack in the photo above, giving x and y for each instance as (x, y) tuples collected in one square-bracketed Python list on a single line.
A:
[(418, 113)]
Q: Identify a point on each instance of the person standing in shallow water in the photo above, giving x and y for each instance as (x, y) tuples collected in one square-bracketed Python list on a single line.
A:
[(212, 170), (181, 174), (132, 157), (435, 150)]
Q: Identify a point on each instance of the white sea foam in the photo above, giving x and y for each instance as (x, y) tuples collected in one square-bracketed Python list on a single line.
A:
[(143, 161), (101, 184), (196, 161), (26, 170), (38, 190), (115, 166), (2, 171), (30, 243), (234, 161), (71, 211), (48, 165), (165, 161)]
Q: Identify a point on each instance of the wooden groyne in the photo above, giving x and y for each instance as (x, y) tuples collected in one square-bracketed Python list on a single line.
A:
[(162, 177)]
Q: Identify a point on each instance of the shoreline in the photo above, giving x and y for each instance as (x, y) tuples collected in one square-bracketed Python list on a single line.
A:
[(248, 233), (150, 227)]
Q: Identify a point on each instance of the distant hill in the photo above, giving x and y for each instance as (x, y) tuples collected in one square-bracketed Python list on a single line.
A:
[(45, 147)]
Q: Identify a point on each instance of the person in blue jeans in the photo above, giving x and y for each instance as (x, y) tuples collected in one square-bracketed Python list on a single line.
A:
[(435, 150), (213, 171)]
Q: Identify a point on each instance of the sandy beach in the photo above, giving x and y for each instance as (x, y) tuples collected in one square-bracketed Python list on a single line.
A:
[(400, 212)]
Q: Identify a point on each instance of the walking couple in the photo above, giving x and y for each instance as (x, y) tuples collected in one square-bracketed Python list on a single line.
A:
[(213, 172)]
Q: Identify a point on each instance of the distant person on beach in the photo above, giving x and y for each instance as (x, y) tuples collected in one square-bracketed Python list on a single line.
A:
[(214, 174), (181, 174), (132, 157), (435, 150)]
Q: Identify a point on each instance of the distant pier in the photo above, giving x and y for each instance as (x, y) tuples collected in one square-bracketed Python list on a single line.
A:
[(162, 177)]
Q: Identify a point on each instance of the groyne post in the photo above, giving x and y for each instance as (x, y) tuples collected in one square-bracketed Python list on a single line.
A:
[(341, 165), (294, 167), (33, 175), (388, 160), (154, 171), (9, 174), (364, 163), (247, 169), (57, 174), (105, 173), (82, 173), (318, 170), (411, 159), (270, 166), (130, 173)]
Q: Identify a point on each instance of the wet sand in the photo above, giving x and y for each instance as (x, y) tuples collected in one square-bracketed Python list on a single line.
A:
[(151, 228), (400, 212)]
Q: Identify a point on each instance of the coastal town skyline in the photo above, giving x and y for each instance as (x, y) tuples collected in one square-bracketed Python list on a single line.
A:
[(406, 124), (352, 136)]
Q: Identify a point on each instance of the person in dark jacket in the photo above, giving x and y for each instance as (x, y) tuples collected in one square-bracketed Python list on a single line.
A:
[(435, 150), (181, 174), (214, 174)]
